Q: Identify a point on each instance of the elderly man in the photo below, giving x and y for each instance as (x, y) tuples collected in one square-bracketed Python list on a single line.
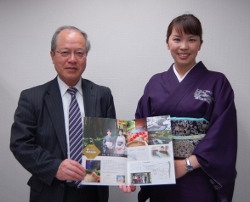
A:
[(49, 116)]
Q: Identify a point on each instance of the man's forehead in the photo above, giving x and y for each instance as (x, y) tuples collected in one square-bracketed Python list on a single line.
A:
[(70, 36), (70, 33)]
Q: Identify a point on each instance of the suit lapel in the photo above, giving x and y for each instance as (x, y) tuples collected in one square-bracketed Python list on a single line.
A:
[(54, 103), (89, 98)]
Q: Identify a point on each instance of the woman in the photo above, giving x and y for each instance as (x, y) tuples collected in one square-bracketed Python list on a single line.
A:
[(120, 143), (204, 168)]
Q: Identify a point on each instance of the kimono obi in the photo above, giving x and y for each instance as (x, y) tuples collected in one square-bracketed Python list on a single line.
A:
[(186, 134)]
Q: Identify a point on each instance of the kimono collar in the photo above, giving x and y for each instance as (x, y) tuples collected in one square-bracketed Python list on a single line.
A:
[(178, 76)]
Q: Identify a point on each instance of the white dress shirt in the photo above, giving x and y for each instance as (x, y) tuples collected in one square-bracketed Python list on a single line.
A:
[(66, 99)]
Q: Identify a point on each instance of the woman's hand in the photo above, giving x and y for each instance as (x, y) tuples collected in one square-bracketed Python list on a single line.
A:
[(127, 189), (180, 166)]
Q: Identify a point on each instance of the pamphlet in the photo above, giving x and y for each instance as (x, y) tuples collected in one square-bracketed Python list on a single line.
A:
[(124, 152)]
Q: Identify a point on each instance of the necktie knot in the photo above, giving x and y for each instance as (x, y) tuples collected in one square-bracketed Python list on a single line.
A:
[(72, 91)]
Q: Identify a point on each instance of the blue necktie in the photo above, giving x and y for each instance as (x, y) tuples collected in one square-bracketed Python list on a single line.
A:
[(75, 128)]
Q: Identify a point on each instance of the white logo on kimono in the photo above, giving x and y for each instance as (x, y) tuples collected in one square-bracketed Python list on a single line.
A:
[(204, 95)]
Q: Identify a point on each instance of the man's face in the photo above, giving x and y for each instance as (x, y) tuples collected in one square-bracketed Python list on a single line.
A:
[(69, 68)]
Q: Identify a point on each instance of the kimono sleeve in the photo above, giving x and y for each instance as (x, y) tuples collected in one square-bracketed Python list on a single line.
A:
[(217, 152)]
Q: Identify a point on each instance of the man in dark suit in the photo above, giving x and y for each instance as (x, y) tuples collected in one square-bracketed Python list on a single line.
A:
[(40, 132)]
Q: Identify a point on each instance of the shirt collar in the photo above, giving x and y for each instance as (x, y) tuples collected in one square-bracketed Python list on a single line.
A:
[(64, 87)]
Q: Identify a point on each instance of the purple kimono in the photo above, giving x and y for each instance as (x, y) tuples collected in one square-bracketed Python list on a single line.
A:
[(201, 94)]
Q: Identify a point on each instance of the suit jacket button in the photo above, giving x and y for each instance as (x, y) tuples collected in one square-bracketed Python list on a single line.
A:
[(62, 185)]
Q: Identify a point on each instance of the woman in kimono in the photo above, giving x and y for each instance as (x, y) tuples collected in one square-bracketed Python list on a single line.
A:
[(202, 109), (120, 143)]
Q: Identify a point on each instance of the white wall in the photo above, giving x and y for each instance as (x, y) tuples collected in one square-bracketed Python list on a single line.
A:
[(128, 47)]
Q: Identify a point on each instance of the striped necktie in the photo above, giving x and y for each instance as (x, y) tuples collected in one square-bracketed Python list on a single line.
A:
[(75, 128)]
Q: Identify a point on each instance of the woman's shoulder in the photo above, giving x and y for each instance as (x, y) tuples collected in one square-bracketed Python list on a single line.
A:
[(158, 76), (161, 76), (218, 77), (216, 74)]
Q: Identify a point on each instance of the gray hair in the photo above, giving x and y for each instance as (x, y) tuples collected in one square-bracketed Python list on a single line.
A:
[(54, 38)]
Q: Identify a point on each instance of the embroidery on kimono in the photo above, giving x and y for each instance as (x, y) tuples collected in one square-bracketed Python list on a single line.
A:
[(204, 95)]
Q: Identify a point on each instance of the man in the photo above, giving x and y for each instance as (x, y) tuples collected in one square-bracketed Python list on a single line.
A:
[(40, 132), (108, 143)]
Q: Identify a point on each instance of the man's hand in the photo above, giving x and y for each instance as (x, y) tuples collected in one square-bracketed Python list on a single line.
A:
[(70, 170), (127, 189)]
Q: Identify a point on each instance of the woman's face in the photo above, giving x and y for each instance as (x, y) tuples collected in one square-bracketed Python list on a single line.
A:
[(184, 49)]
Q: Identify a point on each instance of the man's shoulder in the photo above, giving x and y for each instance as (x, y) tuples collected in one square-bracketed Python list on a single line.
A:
[(94, 86), (41, 88)]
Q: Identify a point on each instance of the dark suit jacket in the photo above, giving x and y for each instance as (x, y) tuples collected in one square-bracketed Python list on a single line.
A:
[(38, 139)]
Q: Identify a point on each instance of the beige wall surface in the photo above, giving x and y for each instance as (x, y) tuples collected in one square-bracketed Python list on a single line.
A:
[(128, 47)]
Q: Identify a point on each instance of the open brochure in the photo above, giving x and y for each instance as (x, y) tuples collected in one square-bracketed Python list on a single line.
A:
[(122, 152)]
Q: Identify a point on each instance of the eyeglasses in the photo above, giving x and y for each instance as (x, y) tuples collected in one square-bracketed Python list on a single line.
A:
[(65, 53)]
